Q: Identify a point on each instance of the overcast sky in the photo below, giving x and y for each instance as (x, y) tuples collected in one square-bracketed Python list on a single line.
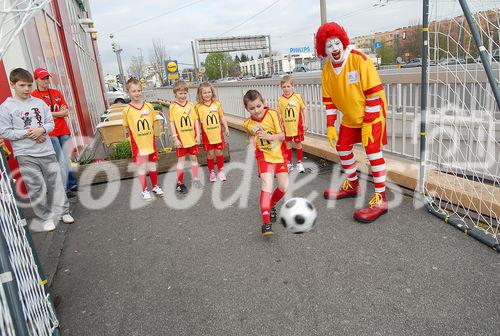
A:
[(290, 23)]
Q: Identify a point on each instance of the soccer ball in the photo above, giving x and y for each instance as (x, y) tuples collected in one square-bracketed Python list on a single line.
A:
[(298, 215)]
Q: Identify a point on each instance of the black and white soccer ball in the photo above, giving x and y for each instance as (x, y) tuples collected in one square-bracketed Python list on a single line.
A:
[(298, 215)]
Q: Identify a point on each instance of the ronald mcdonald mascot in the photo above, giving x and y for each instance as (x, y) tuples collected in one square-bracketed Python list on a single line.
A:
[(352, 86)]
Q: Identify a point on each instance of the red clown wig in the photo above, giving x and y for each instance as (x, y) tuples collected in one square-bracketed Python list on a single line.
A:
[(327, 31)]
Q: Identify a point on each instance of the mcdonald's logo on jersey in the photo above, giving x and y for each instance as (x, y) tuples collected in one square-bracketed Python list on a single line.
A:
[(290, 112), (213, 119), (142, 125), (186, 121)]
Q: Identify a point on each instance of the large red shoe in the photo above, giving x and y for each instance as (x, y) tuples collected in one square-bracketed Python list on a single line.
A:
[(376, 208), (348, 189)]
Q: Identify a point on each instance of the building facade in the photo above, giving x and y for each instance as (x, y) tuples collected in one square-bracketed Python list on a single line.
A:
[(58, 39), (281, 63)]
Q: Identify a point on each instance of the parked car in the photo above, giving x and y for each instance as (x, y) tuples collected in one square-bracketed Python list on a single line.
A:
[(300, 68), (247, 77), (452, 61), (115, 95), (413, 63), (227, 79), (495, 55), (278, 74)]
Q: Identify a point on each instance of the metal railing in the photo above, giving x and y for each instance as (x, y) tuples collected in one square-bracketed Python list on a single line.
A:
[(25, 305), (402, 89)]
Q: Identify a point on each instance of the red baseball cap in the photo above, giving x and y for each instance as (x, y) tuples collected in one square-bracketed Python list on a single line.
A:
[(41, 73)]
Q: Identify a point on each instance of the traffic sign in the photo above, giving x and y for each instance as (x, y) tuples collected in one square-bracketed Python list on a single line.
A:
[(377, 45)]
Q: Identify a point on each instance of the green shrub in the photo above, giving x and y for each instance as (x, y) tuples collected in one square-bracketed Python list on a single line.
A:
[(157, 107), (121, 151), (86, 157)]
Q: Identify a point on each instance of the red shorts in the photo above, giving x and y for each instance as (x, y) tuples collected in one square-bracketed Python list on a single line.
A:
[(296, 139), (218, 146), (140, 159), (349, 136), (276, 168), (193, 150)]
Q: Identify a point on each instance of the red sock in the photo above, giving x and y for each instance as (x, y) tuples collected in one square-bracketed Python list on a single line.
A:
[(300, 154), (277, 195), (194, 171), (153, 176), (211, 164), (265, 206), (180, 176), (220, 162), (289, 154), (142, 180)]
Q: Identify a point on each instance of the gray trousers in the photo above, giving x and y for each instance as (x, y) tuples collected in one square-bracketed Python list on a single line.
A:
[(42, 176)]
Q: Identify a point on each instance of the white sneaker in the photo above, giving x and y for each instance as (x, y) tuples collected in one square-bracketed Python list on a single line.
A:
[(46, 226), (146, 195), (222, 176), (157, 190), (300, 167), (290, 167), (67, 219)]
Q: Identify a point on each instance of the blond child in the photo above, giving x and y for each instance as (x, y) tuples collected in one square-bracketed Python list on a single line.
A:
[(292, 111), (139, 117), (211, 117), (185, 133), (266, 132)]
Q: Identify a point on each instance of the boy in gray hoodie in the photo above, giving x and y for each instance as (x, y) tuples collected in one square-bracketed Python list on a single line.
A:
[(26, 121)]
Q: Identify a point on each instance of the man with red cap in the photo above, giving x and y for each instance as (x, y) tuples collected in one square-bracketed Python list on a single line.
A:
[(352, 86), (61, 134)]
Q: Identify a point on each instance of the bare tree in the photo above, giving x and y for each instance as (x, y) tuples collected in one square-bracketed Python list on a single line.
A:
[(136, 67), (157, 56)]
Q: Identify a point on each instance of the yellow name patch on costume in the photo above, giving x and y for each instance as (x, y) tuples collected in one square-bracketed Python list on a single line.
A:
[(353, 77)]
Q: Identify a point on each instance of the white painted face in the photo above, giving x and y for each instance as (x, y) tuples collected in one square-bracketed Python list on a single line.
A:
[(335, 50)]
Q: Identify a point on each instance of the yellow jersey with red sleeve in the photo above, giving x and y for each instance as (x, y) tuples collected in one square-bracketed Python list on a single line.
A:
[(140, 122), (268, 151), (355, 89), (210, 120), (290, 109), (184, 118)]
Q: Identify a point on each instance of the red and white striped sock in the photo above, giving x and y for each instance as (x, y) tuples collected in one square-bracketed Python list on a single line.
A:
[(379, 169), (347, 161)]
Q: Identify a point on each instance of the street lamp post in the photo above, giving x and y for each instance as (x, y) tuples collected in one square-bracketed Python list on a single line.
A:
[(141, 64), (322, 9), (117, 50)]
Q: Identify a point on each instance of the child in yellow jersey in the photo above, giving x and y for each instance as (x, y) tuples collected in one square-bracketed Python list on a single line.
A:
[(186, 134), (211, 117), (138, 117), (293, 113), (266, 131)]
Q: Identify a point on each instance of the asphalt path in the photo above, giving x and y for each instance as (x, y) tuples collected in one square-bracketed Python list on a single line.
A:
[(156, 270)]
